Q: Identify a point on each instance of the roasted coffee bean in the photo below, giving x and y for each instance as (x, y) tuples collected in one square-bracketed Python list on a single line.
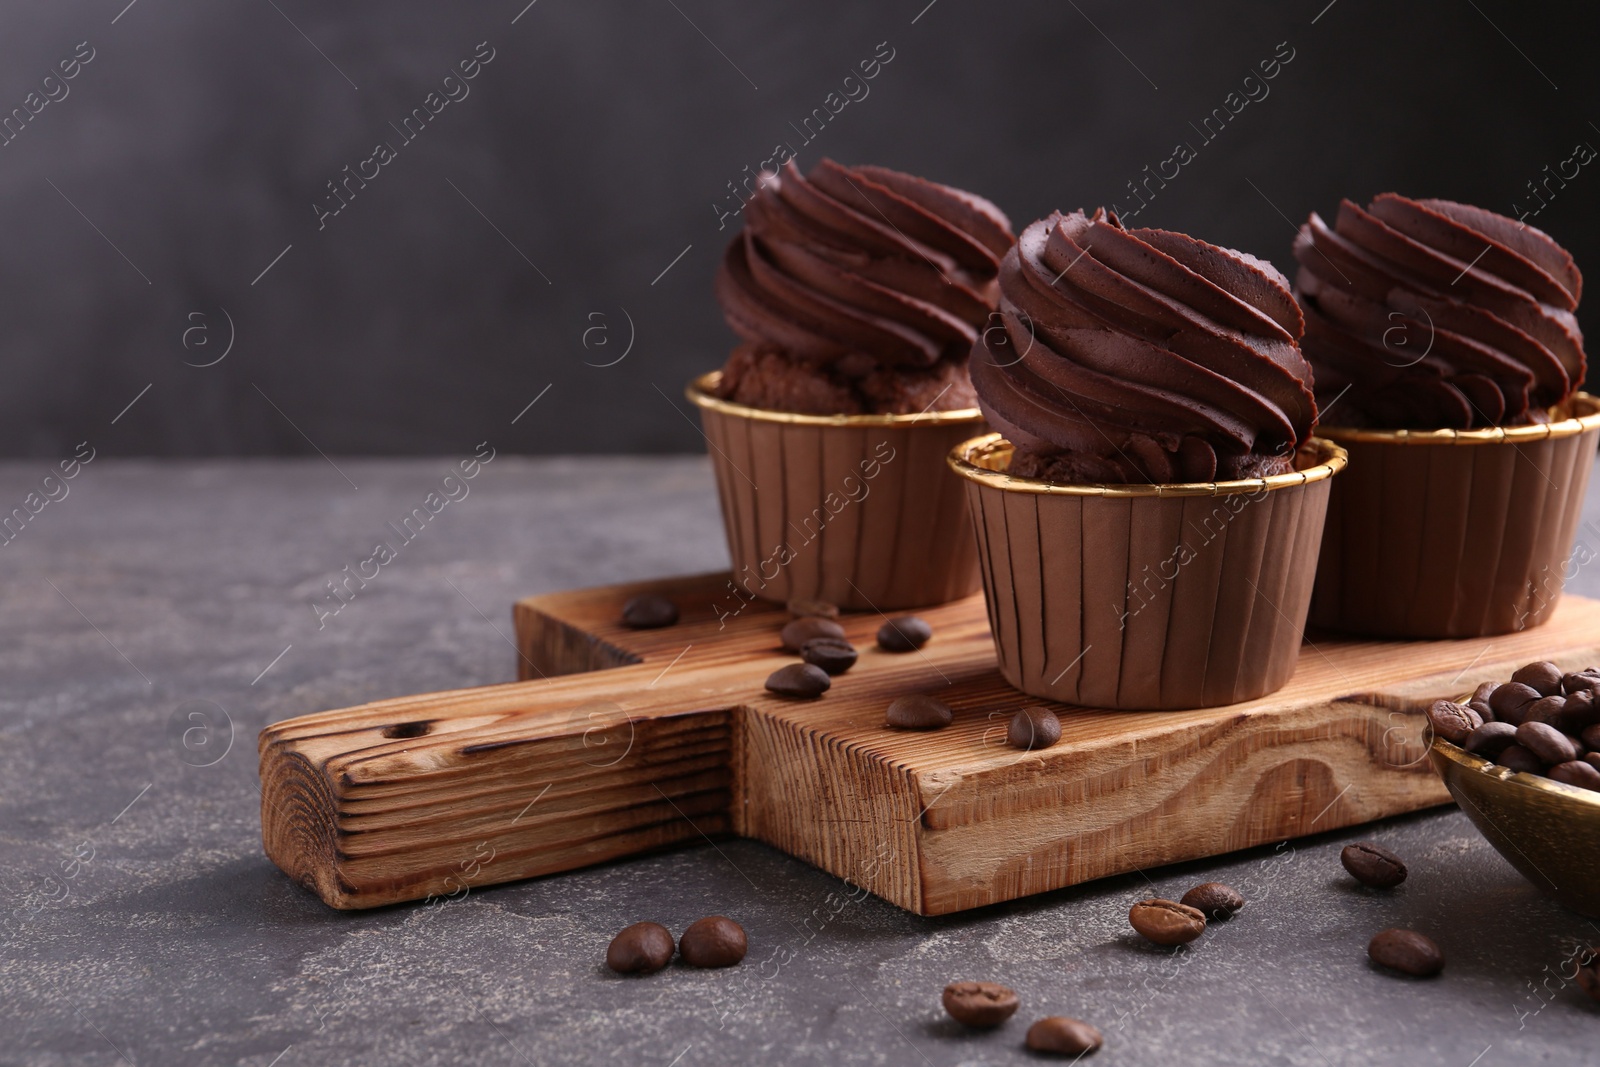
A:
[(1406, 951), (649, 612), (1485, 691), (1490, 739), (1581, 773), (1373, 865), (830, 653), (918, 712), (1059, 1034), (715, 941), (806, 609), (1517, 758), (1166, 922), (1033, 727), (905, 634), (1545, 709), (1485, 712), (1510, 699), (1544, 676), (1453, 721), (642, 948), (1213, 900), (802, 680), (1588, 962), (1591, 736), (1546, 742), (1582, 681), (981, 1004), (1592, 759), (1581, 711), (799, 631)]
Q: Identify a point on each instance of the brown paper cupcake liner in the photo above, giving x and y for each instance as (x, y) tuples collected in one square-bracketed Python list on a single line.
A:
[(1454, 533), (857, 510), (1147, 596)]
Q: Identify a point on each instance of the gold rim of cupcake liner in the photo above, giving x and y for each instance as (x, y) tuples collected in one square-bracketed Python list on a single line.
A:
[(703, 392), (977, 458), (1585, 416)]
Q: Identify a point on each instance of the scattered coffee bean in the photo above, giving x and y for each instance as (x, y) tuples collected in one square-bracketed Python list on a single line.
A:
[(819, 609), (649, 612), (1588, 976), (832, 654), (799, 631), (802, 680), (1373, 865), (1059, 1034), (1453, 721), (905, 634), (918, 712), (1545, 710), (715, 941), (981, 1004), (1033, 727), (1581, 773), (1546, 742), (1166, 922), (1510, 699), (642, 948), (1490, 739), (1213, 900), (1406, 951), (1517, 758), (1545, 677), (1485, 691)]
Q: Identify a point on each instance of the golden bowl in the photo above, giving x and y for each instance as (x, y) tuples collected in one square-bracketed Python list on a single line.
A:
[(1548, 831)]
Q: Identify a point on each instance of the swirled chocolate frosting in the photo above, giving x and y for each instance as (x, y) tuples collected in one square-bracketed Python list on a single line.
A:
[(848, 274), (1142, 356), (1426, 314)]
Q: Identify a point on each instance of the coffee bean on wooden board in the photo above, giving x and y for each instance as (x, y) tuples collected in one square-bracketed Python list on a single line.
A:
[(979, 1004), (803, 681), (715, 941), (1033, 727), (1581, 773), (1373, 865), (918, 712), (649, 612), (833, 654), (1510, 700), (1406, 951), (1588, 976), (1063, 1036), (1213, 900), (799, 631), (1166, 922), (905, 634), (642, 948), (1518, 759), (1546, 742), (820, 609), (1543, 676), (1453, 721), (1490, 739)]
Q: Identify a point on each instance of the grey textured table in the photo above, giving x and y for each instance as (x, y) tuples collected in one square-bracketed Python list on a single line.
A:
[(143, 925)]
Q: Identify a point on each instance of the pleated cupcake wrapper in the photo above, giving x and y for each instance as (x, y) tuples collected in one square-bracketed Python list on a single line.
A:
[(859, 511), (1441, 535), (1164, 597)]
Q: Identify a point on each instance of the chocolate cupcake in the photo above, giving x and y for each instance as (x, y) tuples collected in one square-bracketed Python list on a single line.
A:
[(1149, 515), (858, 293), (1447, 357)]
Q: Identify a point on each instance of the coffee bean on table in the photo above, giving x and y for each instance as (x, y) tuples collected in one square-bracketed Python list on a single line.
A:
[(918, 712), (1453, 721), (905, 634), (642, 948), (804, 681), (649, 612), (1546, 742), (980, 1004), (1166, 922), (799, 631), (1581, 773), (1406, 951), (1373, 865), (1033, 727), (832, 654), (715, 941), (1517, 758), (1490, 739), (1545, 677), (820, 609), (1068, 1037), (1213, 900), (1510, 699)]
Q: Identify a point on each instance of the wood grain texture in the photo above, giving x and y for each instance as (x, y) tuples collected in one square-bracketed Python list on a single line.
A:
[(425, 796)]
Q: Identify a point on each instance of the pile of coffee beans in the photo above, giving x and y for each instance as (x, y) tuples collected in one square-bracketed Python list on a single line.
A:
[(644, 948), (985, 1005), (1543, 721), (649, 612)]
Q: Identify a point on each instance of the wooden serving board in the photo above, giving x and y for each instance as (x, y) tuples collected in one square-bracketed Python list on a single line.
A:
[(636, 740)]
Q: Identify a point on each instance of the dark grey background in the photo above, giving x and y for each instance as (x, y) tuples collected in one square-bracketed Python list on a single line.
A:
[(589, 155)]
